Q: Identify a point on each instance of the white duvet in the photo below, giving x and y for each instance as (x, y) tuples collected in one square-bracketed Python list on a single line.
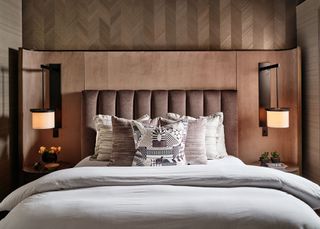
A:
[(204, 196)]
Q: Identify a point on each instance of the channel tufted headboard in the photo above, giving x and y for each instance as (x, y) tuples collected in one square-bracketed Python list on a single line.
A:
[(133, 104)]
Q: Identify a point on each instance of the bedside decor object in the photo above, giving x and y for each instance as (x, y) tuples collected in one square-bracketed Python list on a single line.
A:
[(51, 166), (272, 117), (49, 118), (49, 155), (275, 157), (283, 166), (280, 166), (39, 169), (264, 159)]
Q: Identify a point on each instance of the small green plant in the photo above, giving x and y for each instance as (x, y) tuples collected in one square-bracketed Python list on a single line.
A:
[(264, 158), (275, 154), (275, 157)]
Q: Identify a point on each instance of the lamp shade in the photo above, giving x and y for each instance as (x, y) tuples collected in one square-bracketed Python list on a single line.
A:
[(278, 117), (42, 119)]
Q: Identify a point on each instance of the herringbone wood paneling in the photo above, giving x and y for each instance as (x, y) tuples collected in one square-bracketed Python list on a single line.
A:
[(158, 24)]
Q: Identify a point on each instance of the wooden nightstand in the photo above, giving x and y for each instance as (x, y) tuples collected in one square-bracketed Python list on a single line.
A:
[(290, 169), (30, 174)]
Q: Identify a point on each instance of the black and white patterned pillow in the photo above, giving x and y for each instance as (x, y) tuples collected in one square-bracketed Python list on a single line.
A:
[(160, 145)]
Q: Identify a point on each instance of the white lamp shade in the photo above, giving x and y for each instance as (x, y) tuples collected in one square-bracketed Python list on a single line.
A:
[(43, 120), (278, 118)]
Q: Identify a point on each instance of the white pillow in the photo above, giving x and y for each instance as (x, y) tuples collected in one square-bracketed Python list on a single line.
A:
[(103, 146), (215, 142)]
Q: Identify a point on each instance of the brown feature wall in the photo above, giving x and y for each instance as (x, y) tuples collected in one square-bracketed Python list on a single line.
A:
[(159, 24)]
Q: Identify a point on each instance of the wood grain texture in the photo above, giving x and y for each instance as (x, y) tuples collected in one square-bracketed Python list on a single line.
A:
[(158, 24), (308, 24), (10, 37), (73, 82), (286, 141), (167, 70)]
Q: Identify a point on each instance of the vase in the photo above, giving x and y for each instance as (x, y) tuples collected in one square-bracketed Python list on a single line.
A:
[(264, 161), (49, 157)]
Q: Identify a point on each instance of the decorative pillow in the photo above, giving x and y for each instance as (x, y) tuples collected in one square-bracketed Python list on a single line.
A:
[(123, 147), (159, 146), (215, 142), (195, 149), (103, 147)]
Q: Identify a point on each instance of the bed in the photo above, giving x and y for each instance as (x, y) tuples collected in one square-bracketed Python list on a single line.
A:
[(225, 193)]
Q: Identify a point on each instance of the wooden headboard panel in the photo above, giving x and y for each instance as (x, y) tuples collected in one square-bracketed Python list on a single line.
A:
[(133, 104), (157, 70)]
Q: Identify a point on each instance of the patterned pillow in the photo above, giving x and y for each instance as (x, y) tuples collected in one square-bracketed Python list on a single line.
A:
[(103, 146), (215, 142), (195, 149), (123, 147), (160, 145)]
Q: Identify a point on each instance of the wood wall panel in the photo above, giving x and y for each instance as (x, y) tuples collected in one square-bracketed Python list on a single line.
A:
[(73, 82), (308, 33), (171, 70), (158, 24), (165, 70), (10, 37), (286, 141)]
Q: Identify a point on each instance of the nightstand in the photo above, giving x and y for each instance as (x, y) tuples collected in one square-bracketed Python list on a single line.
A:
[(30, 174), (290, 169)]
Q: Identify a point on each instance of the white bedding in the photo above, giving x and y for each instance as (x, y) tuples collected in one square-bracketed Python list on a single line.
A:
[(227, 161), (203, 196)]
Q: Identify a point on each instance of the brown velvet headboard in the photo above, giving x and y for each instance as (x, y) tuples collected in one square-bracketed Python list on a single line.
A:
[(133, 104)]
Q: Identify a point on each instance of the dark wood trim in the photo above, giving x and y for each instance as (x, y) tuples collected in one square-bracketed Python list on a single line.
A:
[(150, 50), (13, 114)]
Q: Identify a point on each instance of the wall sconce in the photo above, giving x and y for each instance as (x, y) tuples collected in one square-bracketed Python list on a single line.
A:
[(272, 117), (49, 118)]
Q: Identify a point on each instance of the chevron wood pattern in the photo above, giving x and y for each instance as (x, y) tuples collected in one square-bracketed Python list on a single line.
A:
[(158, 24)]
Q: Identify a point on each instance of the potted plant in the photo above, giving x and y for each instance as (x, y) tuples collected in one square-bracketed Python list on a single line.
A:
[(264, 159), (275, 157), (49, 155)]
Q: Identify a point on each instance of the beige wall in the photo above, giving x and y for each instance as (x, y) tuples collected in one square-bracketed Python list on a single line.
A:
[(308, 24), (10, 37), (159, 24)]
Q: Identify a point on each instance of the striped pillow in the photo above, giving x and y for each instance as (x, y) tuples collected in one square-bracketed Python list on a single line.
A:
[(215, 141), (123, 148), (103, 146)]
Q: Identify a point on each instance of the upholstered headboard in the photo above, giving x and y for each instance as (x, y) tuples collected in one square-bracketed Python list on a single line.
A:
[(133, 104)]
